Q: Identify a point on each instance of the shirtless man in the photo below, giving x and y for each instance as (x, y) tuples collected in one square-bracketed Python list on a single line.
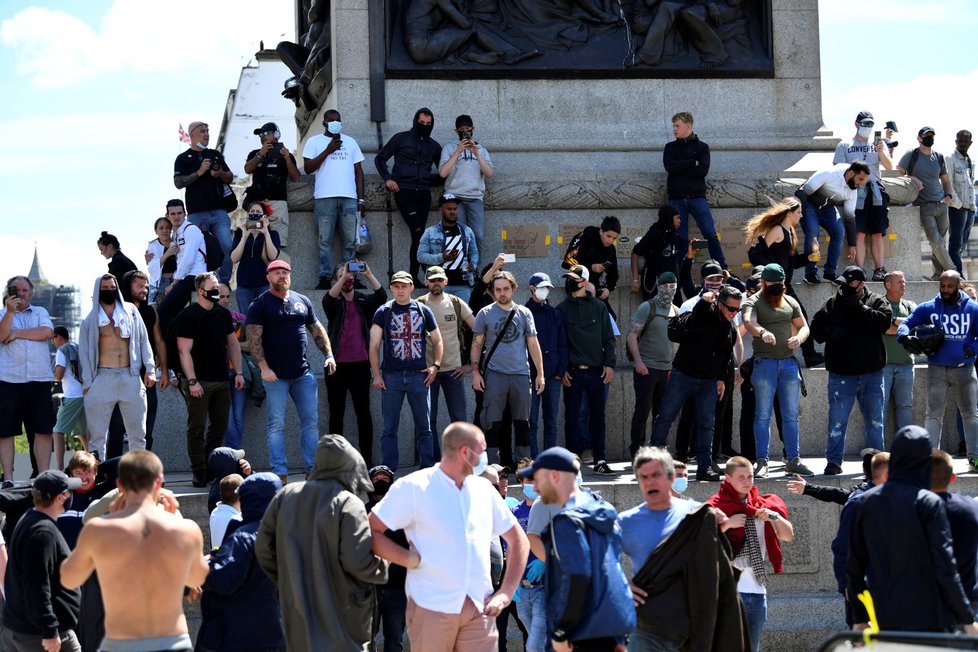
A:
[(144, 555), (114, 348)]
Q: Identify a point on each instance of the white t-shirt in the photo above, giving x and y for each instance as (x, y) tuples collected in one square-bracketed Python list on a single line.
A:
[(451, 529), (748, 581), (71, 386), (335, 177), (220, 518)]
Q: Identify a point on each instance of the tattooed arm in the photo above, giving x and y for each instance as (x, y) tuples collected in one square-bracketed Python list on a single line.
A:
[(254, 334), (321, 338)]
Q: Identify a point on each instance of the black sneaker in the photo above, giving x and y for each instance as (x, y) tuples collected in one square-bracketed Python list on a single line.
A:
[(812, 278), (814, 360), (879, 273), (832, 469), (832, 278), (707, 475), (760, 468), (199, 479), (603, 469), (325, 283)]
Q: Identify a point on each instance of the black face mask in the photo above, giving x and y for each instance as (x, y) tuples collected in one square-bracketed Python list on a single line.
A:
[(774, 290), (108, 297), (380, 488), (571, 286), (927, 141), (849, 291), (213, 295), (423, 130)]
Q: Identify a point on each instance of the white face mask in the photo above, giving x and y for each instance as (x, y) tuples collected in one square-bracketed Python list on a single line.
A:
[(864, 132), (541, 293)]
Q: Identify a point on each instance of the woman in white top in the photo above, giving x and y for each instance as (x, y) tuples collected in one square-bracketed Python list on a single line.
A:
[(161, 258)]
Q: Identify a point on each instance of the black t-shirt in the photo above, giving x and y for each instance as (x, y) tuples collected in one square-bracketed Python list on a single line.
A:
[(283, 323), (252, 267), (207, 192), (272, 174), (209, 329)]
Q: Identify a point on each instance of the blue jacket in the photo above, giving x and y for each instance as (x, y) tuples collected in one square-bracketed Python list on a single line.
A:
[(587, 591), (432, 246), (240, 610), (959, 323), (552, 339)]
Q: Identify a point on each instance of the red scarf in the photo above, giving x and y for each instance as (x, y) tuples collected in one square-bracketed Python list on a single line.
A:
[(729, 502)]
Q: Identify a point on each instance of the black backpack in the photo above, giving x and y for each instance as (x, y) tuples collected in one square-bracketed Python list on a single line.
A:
[(213, 254)]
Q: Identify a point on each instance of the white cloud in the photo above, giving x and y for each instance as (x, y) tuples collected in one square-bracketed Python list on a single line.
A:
[(57, 50)]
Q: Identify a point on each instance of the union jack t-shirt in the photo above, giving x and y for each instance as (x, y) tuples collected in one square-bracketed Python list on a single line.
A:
[(405, 335)]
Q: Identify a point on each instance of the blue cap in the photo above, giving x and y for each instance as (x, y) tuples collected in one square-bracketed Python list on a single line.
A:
[(557, 458), (541, 280)]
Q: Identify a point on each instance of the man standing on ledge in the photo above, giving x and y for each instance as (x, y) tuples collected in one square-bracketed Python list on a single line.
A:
[(687, 162)]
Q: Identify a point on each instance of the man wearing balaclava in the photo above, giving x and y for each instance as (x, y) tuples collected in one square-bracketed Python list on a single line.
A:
[(113, 346), (415, 153), (651, 353)]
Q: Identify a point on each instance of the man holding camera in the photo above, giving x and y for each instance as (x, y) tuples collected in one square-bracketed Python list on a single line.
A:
[(451, 246), (335, 160), (271, 168), (205, 175), (465, 168)]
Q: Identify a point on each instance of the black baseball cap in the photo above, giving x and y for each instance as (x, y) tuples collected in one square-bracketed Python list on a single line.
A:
[(864, 115), (557, 458), (267, 128), (925, 130), (51, 483)]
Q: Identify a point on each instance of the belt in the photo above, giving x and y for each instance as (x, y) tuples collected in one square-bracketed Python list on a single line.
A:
[(527, 584), (586, 367)]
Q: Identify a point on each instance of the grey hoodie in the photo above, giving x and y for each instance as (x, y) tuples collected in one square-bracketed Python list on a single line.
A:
[(140, 353)]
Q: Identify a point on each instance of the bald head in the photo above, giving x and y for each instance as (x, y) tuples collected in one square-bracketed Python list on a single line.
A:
[(950, 284), (457, 435)]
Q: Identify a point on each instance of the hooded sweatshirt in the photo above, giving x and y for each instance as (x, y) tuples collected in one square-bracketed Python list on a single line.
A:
[(901, 541), (314, 542), (140, 353), (852, 330), (239, 607), (222, 462), (958, 320), (414, 156)]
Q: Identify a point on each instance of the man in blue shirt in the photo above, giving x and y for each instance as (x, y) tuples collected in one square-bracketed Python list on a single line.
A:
[(277, 324)]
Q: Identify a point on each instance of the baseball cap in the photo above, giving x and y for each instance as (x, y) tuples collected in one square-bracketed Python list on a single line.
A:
[(924, 130), (435, 272), (501, 470), (278, 264), (666, 277), (51, 483), (540, 280), (557, 458), (853, 273), (772, 273), (578, 273), (267, 128), (402, 277), (710, 268), (380, 471), (864, 115), (463, 121), (447, 197)]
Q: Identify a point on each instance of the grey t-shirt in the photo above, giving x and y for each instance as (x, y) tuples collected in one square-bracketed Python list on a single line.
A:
[(928, 169), (862, 150), (466, 179), (655, 347), (510, 356)]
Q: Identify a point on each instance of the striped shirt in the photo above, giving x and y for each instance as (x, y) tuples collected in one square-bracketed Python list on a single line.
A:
[(24, 361)]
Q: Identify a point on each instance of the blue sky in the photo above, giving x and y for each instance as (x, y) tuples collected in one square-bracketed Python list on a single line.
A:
[(92, 93)]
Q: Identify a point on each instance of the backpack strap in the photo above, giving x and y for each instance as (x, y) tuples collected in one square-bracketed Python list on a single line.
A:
[(914, 155)]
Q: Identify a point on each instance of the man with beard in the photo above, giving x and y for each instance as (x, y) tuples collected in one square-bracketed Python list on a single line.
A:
[(348, 314), (778, 326), (820, 196), (415, 152), (277, 324), (652, 354), (852, 324), (452, 247), (135, 289), (116, 362), (951, 368)]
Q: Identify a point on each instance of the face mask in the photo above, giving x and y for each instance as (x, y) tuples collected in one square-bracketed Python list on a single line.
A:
[(381, 487), (334, 126), (571, 286), (864, 132), (483, 463), (423, 130), (927, 141), (849, 291), (213, 295), (107, 297), (530, 492), (712, 286), (665, 295), (541, 293), (774, 290), (580, 479), (348, 285), (679, 485)]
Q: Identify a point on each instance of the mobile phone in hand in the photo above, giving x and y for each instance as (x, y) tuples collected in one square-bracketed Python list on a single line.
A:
[(356, 266), (700, 244), (509, 258)]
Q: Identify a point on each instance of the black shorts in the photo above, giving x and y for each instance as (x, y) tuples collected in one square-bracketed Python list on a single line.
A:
[(27, 406), (871, 218)]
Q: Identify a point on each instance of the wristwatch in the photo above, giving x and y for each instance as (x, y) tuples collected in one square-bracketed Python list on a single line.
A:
[(191, 381)]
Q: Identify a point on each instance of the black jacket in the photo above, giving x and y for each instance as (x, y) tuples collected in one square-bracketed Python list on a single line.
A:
[(414, 155), (852, 330), (688, 162), (901, 540), (367, 304), (661, 249), (586, 249), (692, 587), (709, 349)]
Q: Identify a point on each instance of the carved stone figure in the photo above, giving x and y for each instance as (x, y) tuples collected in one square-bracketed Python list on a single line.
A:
[(308, 57)]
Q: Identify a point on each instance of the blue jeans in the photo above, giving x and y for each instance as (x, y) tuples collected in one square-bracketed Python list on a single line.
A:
[(843, 392), (532, 610), (755, 608), (391, 606), (586, 385), (700, 210), (471, 213), (779, 377), (219, 226), (454, 390), (235, 431), (400, 384), (639, 641), (828, 218), (245, 296), (304, 391), (898, 382), (961, 221), (330, 213), (463, 292), (550, 399), (703, 392)]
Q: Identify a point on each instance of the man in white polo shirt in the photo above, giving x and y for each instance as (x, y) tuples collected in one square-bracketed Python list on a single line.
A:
[(450, 515)]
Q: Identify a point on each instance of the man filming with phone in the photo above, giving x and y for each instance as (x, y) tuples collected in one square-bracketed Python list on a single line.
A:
[(451, 246), (465, 167), (271, 168)]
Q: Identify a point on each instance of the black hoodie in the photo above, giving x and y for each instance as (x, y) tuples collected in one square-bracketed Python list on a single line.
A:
[(901, 543), (414, 155)]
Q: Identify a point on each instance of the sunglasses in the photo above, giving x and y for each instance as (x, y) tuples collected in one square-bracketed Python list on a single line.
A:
[(866, 123), (730, 309)]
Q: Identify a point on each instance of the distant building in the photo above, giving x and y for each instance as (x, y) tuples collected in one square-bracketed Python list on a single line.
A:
[(61, 301)]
